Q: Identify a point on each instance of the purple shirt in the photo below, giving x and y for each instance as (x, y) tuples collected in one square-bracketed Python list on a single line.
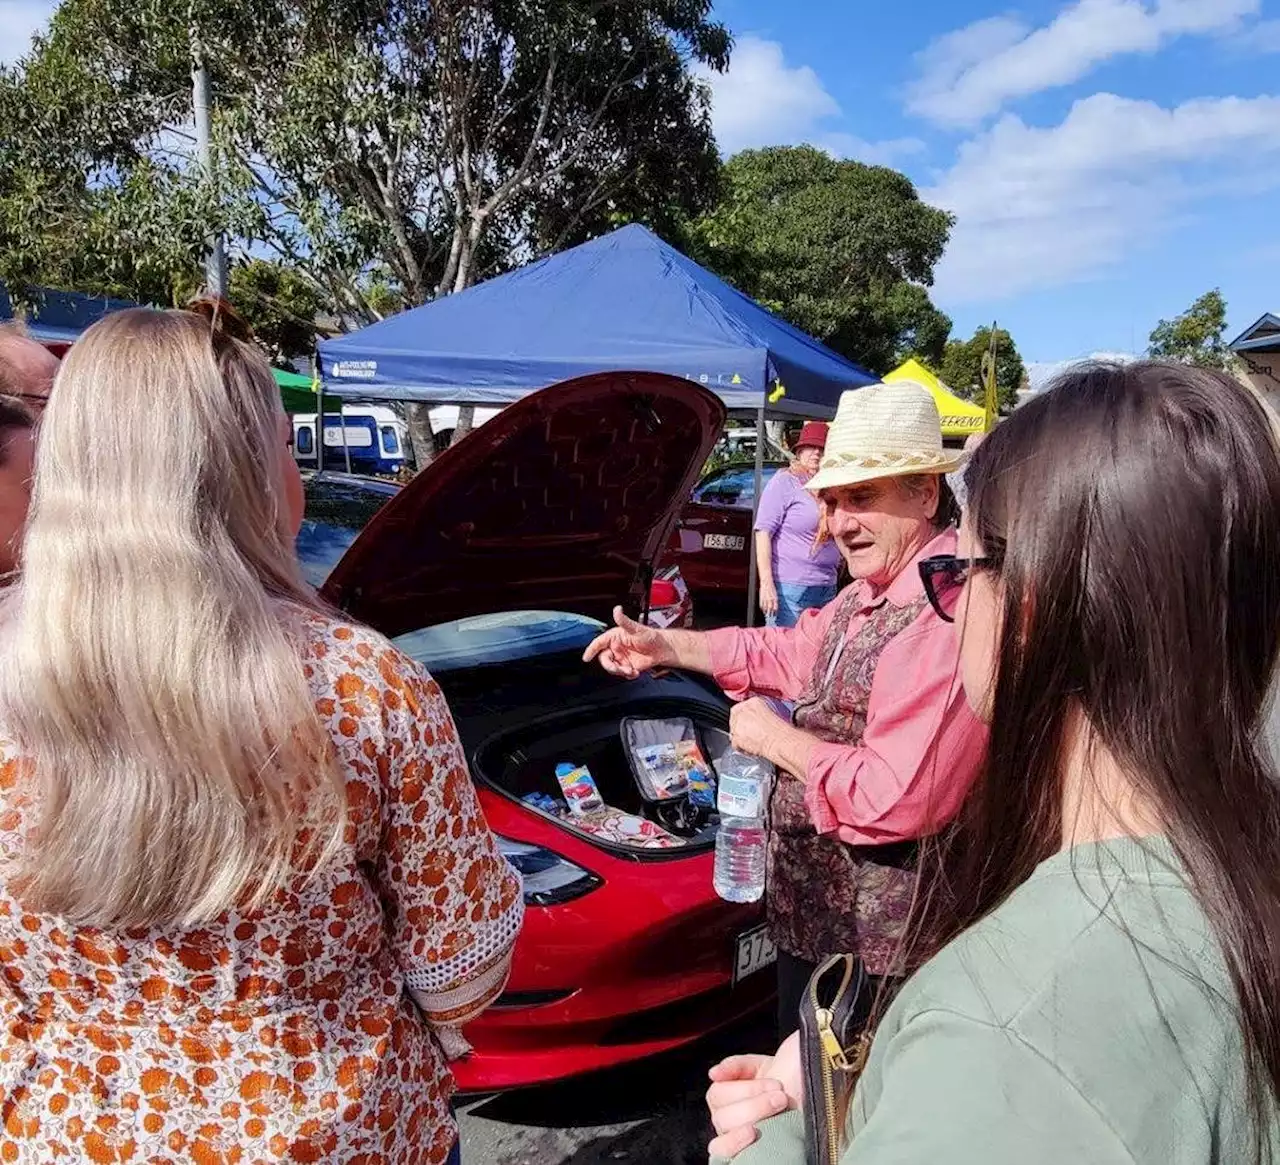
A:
[(788, 513)]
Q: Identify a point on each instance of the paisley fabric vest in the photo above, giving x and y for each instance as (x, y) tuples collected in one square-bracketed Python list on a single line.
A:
[(825, 897)]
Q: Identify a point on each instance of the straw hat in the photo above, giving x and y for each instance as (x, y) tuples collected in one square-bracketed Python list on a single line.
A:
[(884, 430)]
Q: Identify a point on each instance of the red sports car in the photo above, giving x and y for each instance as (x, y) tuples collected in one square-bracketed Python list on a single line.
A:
[(711, 543), (495, 567)]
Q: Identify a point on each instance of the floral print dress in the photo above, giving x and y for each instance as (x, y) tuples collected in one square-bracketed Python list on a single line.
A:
[(302, 1032)]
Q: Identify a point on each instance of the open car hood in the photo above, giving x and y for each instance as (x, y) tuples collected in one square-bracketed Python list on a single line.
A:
[(562, 502)]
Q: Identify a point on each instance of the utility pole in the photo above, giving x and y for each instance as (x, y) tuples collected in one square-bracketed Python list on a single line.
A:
[(216, 264)]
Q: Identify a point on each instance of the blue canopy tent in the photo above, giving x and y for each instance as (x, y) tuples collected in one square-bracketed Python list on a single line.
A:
[(56, 318), (627, 301)]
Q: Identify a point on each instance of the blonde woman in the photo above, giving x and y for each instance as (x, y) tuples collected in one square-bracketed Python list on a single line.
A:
[(247, 888)]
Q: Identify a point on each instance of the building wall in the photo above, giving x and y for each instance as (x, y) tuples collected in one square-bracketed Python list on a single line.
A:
[(1262, 370)]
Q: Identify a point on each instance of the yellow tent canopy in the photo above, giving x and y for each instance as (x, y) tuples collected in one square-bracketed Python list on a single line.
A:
[(959, 417)]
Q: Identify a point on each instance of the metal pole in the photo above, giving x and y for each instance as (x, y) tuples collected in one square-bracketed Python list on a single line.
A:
[(216, 264), (319, 429), (755, 506), (342, 426)]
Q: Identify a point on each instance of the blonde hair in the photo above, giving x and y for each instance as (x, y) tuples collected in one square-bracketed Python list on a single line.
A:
[(151, 658)]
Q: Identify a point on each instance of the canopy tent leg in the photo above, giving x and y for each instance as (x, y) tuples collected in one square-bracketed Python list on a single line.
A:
[(319, 437), (755, 507)]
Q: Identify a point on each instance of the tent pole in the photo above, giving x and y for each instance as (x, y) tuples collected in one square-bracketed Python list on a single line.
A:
[(319, 429), (342, 427), (755, 507)]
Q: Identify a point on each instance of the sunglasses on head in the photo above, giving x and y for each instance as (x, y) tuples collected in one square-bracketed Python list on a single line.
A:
[(223, 319), (943, 576)]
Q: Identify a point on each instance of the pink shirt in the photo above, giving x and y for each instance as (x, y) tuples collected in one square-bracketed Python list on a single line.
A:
[(922, 746)]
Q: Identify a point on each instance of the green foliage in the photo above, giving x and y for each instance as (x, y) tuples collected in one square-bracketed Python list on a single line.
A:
[(386, 151), (1197, 336), (842, 250), (280, 303), (961, 368)]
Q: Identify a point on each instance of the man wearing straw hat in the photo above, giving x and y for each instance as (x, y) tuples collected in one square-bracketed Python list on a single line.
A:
[(882, 746)]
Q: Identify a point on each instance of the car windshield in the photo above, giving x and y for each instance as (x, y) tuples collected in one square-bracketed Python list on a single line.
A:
[(337, 510), (499, 638), (733, 487)]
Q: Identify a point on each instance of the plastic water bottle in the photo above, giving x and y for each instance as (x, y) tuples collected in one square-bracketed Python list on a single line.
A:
[(742, 799)]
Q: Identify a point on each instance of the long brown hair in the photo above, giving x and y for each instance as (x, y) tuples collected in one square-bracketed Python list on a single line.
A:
[(1133, 513)]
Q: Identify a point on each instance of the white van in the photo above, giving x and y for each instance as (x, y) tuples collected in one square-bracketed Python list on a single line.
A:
[(444, 419), (369, 438)]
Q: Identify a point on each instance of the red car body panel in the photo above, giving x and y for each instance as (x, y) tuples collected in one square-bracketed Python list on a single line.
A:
[(563, 502), (647, 957)]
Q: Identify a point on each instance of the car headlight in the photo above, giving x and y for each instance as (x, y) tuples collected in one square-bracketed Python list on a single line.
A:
[(549, 879)]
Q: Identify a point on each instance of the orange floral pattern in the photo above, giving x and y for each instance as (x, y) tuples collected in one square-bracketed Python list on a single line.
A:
[(288, 1034)]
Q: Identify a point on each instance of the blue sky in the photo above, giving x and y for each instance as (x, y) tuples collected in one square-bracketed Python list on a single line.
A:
[(1107, 160)]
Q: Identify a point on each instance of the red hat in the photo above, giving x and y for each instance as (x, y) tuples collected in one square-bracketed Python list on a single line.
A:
[(813, 434)]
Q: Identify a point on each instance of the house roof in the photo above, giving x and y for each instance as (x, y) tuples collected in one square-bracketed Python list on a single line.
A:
[(1261, 335)]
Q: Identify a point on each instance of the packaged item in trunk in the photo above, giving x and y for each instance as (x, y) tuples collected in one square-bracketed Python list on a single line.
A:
[(661, 776), (545, 802), (701, 778), (667, 760), (620, 828), (579, 788)]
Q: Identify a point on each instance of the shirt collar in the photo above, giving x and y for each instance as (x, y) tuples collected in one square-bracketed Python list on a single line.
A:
[(908, 587)]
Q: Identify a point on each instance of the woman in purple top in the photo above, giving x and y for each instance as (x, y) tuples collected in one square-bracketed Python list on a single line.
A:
[(797, 571)]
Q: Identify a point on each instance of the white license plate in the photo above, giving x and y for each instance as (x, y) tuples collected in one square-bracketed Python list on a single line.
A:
[(755, 952), (724, 542)]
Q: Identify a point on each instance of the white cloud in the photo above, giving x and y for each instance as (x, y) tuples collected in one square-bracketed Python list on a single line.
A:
[(763, 101), (19, 21), (974, 72), (1262, 37), (890, 152), (1042, 207)]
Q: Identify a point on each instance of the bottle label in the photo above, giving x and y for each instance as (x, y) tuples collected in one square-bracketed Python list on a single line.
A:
[(739, 797)]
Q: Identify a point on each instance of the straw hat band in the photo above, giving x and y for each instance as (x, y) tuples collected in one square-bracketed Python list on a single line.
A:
[(920, 461)]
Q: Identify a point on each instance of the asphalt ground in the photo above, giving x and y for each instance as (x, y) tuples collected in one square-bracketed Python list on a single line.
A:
[(652, 1112)]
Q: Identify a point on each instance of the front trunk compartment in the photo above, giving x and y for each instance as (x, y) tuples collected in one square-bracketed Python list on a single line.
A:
[(521, 761)]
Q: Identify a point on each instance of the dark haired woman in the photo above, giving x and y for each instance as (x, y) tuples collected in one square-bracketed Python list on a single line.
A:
[(1106, 986)]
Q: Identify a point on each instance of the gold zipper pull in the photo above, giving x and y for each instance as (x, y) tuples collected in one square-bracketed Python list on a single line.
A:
[(827, 1038)]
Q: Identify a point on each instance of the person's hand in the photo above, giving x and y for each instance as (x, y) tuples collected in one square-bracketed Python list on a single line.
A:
[(748, 1089), (768, 598), (753, 725), (787, 1070), (629, 648)]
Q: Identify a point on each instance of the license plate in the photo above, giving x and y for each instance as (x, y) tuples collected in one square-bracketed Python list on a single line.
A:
[(755, 952), (724, 542)]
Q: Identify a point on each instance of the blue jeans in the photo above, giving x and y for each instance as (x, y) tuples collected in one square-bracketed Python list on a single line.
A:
[(794, 600), (455, 1154)]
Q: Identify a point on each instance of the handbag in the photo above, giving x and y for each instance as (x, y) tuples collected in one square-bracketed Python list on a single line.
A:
[(834, 1042)]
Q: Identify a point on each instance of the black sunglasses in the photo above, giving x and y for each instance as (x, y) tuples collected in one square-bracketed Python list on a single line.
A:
[(943, 576)]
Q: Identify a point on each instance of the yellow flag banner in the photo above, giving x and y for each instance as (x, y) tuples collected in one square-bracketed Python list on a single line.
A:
[(989, 382)]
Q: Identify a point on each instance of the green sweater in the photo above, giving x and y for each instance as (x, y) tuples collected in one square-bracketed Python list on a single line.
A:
[(1088, 1019)]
